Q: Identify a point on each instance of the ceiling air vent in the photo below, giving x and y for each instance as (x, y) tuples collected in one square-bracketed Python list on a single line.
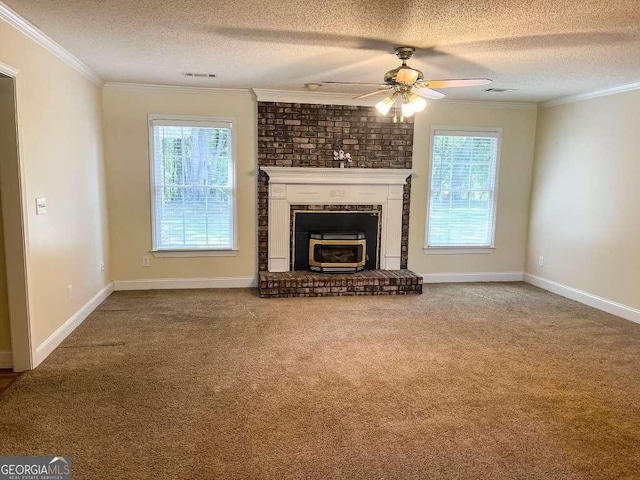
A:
[(499, 90), (200, 75)]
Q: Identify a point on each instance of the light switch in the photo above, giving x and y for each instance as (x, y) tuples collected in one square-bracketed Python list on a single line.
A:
[(41, 205)]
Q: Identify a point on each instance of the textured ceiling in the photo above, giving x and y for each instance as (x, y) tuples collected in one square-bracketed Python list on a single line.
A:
[(542, 48)]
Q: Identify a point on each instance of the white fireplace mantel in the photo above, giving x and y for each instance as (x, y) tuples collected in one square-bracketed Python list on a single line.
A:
[(335, 186), (328, 176)]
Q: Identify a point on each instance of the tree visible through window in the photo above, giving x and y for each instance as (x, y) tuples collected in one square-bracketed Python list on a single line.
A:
[(193, 187), (462, 190)]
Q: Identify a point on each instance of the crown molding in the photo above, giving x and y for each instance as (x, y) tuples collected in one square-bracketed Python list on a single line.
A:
[(149, 87), (39, 37), (8, 70), (595, 94)]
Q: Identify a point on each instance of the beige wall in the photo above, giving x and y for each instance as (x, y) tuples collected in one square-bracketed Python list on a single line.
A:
[(584, 208), (127, 155), (516, 159), (60, 134), (127, 160)]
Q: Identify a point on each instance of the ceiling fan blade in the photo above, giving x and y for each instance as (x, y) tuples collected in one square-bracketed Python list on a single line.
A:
[(353, 83), (372, 93), (428, 93), (459, 82)]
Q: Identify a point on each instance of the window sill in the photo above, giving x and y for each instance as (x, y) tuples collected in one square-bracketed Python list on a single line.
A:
[(457, 250), (194, 253)]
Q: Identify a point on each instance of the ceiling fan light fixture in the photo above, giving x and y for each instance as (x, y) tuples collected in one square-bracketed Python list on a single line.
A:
[(407, 75), (418, 103), (410, 85), (403, 75), (384, 105), (407, 109)]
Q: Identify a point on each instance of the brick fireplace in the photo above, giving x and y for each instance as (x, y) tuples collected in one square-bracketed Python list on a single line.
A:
[(297, 171)]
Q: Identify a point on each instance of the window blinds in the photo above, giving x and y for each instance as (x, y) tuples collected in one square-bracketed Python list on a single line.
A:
[(463, 185), (193, 187)]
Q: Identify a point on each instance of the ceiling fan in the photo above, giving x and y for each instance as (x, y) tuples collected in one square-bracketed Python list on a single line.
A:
[(408, 86)]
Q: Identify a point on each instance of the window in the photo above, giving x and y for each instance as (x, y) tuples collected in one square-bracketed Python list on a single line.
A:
[(193, 184), (462, 190)]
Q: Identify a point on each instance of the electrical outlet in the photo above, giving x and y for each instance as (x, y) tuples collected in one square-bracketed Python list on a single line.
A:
[(70, 291), (145, 261), (102, 268), (541, 261)]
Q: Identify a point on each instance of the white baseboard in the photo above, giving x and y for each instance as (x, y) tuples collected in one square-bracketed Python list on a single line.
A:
[(6, 359), (56, 338), (472, 277), (589, 299), (181, 283)]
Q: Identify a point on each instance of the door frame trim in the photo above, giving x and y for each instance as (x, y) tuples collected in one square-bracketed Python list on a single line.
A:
[(12, 188)]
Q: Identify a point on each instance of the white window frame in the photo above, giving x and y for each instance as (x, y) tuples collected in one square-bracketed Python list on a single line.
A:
[(495, 132), (193, 121)]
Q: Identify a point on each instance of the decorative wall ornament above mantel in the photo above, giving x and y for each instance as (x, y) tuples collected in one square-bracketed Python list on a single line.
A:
[(342, 157)]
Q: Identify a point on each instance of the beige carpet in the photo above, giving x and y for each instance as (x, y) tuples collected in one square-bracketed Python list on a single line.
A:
[(484, 381)]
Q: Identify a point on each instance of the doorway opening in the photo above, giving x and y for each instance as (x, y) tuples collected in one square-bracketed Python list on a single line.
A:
[(15, 335)]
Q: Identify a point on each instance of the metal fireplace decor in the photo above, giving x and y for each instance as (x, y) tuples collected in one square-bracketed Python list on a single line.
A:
[(337, 252)]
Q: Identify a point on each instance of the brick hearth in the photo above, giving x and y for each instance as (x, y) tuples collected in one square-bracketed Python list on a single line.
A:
[(311, 284)]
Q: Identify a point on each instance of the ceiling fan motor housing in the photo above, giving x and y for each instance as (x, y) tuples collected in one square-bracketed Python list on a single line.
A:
[(404, 74), (404, 53)]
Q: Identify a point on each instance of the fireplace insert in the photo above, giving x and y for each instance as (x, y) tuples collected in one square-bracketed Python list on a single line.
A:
[(337, 252), (321, 238)]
